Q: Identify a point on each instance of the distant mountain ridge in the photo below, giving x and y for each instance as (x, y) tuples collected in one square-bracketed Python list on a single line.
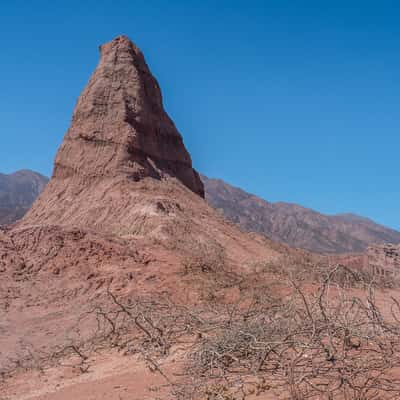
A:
[(17, 193), (295, 225), (288, 223)]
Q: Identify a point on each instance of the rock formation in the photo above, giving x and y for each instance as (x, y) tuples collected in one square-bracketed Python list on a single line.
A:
[(124, 206), (119, 126), (120, 138), (123, 210), (123, 173)]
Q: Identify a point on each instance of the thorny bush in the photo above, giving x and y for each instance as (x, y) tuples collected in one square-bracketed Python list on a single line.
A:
[(320, 340)]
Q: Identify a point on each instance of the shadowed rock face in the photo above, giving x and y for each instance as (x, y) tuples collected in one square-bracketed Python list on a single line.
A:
[(119, 126)]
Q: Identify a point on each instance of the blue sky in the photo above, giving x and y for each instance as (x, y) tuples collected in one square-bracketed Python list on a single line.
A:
[(291, 100)]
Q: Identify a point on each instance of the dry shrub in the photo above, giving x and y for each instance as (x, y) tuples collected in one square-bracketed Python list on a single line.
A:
[(145, 326), (319, 344), (218, 392), (326, 345), (206, 268), (310, 269), (204, 257)]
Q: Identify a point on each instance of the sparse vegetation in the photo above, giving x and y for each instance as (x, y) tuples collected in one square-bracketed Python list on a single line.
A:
[(204, 257), (325, 345), (320, 340), (309, 268)]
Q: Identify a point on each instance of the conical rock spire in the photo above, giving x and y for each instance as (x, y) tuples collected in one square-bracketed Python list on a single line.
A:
[(122, 168), (119, 125)]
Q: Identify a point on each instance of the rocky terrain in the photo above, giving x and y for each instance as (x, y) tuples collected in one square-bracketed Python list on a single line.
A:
[(283, 222), (122, 283), (295, 225), (17, 193), (122, 212)]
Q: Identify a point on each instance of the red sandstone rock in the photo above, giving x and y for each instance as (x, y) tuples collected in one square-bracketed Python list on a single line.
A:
[(119, 139), (119, 126)]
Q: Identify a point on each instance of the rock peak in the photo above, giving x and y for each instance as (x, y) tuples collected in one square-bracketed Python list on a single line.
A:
[(119, 126), (120, 44)]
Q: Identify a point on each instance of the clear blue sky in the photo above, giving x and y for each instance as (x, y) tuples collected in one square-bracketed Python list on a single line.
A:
[(292, 100)]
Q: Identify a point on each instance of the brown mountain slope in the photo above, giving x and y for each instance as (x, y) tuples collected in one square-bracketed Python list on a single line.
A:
[(295, 225), (123, 211), (17, 193)]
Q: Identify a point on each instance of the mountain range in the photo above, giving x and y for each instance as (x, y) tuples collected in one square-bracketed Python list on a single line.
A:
[(295, 225), (17, 193), (288, 223)]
